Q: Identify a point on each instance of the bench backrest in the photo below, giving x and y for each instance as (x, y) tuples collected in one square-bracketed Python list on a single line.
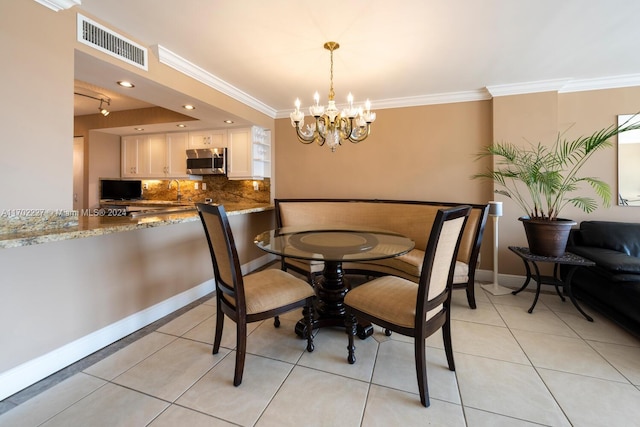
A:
[(410, 218)]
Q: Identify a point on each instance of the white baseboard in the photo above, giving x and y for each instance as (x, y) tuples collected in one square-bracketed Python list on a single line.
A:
[(28, 373), (507, 280), (257, 263)]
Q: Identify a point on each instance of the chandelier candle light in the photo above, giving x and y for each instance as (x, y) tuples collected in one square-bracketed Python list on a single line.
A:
[(495, 211), (332, 126)]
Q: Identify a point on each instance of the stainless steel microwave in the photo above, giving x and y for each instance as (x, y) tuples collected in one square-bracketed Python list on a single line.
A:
[(207, 161)]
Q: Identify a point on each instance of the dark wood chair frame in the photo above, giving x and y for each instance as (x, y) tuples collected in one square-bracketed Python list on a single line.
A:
[(235, 290), (423, 329)]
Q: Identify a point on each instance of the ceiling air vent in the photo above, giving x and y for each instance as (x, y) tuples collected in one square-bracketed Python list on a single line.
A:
[(99, 37)]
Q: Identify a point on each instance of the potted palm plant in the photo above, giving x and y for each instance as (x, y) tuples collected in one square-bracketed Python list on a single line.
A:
[(542, 180)]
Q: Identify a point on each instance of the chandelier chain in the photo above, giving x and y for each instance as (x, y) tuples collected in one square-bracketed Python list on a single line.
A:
[(331, 92)]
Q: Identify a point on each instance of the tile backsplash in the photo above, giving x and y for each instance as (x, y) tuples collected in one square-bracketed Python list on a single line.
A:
[(218, 188)]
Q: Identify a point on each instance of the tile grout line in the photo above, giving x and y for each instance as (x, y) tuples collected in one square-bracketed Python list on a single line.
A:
[(79, 366), (562, 410)]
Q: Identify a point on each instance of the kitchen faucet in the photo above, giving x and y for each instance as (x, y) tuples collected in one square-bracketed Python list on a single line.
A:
[(178, 195)]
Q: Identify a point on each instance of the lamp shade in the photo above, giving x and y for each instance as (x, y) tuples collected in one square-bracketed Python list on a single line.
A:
[(495, 208)]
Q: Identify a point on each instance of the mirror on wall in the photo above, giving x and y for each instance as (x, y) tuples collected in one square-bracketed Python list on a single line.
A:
[(628, 164)]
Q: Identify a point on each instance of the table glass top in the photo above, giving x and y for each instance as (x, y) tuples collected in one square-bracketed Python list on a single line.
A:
[(334, 243)]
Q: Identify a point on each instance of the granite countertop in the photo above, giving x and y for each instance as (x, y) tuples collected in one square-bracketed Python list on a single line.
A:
[(100, 224)]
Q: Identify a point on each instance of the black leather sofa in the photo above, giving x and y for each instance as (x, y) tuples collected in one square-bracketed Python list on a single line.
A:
[(613, 285)]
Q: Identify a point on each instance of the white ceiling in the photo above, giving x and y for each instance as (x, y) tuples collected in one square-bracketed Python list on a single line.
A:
[(405, 52)]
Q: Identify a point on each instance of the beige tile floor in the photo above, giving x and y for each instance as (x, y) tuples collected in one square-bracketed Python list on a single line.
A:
[(549, 368)]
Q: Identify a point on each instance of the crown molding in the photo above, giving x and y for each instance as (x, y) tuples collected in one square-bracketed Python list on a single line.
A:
[(180, 64), (57, 5), (613, 82), (438, 98), (567, 85), (528, 87), (417, 101)]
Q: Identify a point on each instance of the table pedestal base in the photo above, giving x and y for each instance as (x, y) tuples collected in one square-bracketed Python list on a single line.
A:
[(363, 330), (331, 289)]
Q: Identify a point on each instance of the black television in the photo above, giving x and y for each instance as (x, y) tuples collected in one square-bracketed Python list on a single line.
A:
[(117, 189)]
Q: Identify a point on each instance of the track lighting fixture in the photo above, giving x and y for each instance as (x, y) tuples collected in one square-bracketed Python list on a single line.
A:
[(98, 97), (103, 111)]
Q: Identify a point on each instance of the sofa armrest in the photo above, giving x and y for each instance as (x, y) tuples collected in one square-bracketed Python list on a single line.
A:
[(608, 259)]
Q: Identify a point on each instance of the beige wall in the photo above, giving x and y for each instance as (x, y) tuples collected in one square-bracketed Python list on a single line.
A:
[(520, 119), (83, 285), (541, 117), (57, 293), (427, 153), (418, 153), (103, 161), (38, 85)]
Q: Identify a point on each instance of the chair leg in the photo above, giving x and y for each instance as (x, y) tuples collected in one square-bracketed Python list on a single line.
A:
[(351, 326), (219, 326), (307, 312), (241, 350), (471, 294), (421, 370), (448, 347)]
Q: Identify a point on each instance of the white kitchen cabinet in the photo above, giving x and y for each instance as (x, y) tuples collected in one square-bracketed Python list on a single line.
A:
[(134, 157), (249, 153), (155, 156), (168, 153), (239, 153), (208, 139), (176, 160)]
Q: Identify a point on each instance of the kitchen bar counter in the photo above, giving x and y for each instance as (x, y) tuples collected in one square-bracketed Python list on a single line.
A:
[(96, 223)]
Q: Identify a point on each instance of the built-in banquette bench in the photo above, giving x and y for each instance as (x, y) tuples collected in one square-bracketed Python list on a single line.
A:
[(410, 218)]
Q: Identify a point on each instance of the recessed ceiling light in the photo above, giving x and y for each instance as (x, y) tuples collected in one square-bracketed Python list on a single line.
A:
[(188, 107), (181, 125), (229, 122), (138, 129), (126, 84)]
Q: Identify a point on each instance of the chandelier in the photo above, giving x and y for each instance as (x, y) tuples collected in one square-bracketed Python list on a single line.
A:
[(332, 126)]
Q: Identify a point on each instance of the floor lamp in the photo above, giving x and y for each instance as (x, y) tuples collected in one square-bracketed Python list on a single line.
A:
[(495, 211)]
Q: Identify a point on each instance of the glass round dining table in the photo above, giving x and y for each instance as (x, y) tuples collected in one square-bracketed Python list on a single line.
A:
[(333, 245)]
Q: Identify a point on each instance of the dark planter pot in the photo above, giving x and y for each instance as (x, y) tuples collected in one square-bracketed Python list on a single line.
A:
[(547, 238)]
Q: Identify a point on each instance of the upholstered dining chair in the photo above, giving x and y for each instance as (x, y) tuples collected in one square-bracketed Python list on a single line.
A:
[(400, 306), (254, 297)]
